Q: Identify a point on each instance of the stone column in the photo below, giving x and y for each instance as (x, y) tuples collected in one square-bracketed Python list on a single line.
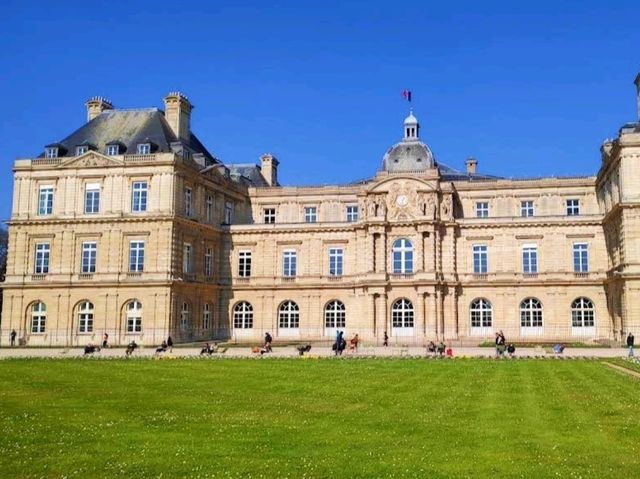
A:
[(421, 312)]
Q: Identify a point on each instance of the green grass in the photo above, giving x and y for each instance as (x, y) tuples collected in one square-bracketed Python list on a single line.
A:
[(317, 418)]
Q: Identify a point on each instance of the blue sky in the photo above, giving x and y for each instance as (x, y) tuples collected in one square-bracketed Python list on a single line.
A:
[(528, 89)]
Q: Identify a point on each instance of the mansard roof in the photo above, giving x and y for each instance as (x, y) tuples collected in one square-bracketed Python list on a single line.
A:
[(250, 172)]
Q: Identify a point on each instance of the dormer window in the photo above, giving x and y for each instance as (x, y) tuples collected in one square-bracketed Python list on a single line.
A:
[(81, 150), (144, 148), (51, 152), (113, 150)]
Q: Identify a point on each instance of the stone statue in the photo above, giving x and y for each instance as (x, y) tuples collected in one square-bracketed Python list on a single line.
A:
[(447, 207)]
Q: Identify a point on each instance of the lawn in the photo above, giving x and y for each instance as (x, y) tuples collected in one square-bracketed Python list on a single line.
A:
[(317, 418)]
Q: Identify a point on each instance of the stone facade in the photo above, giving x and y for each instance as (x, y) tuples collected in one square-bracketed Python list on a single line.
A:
[(157, 237)]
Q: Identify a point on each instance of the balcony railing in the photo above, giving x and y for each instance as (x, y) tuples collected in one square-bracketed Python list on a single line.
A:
[(85, 276), (38, 277), (401, 275), (241, 279), (581, 274), (480, 276), (139, 158), (134, 274), (529, 275), (288, 279), (334, 278)]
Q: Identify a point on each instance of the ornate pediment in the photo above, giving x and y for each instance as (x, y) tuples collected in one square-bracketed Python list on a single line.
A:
[(401, 200), (91, 159)]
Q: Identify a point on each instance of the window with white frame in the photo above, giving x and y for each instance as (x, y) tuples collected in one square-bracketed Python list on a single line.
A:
[(51, 152), (209, 208), (243, 315), (38, 318), (136, 256), (573, 207), (187, 258), (140, 192), (185, 316), (113, 150), (480, 261), (228, 213), (208, 262), (580, 257), (206, 316), (310, 214), (482, 209), (244, 264), (289, 315), (481, 314), (336, 259), (352, 213), (144, 148), (134, 316), (92, 198), (269, 216), (81, 150), (582, 313), (402, 315), (188, 208), (529, 258), (85, 317), (45, 200), (526, 208), (530, 313), (289, 266), (42, 258), (89, 254), (402, 251), (335, 315)]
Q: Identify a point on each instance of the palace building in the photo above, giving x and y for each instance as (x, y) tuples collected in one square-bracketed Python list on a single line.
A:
[(130, 226)]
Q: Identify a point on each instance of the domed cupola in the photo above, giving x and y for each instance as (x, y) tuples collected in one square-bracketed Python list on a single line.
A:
[(410, 154)]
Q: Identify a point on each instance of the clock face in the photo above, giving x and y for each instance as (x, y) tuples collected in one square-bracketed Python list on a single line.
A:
[(402, 200)]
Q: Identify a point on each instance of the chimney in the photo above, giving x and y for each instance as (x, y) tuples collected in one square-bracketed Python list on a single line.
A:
[(472, 164), (96, 105), (269, 169), (637, 82), (177, 111)]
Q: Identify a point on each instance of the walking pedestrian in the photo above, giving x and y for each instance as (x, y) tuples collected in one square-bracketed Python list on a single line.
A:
[(13, 337), (385, 341), (500, 344), (105, 341), (630, 343), (170, 344)]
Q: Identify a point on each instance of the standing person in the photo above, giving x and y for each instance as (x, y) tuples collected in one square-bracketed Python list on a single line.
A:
[(13, 337), (500, 344), (170, 344), (105, 341), (630, 343), (385, 341), (267, 343)]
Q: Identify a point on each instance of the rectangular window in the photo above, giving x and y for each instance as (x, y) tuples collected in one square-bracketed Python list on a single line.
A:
[(89, 253), (482, 209), (42, 258), (81, 150), (580, 257), (113, 150), (289, 267), (530, 259), (144, 149), (51, 152), (136, 256), (139, 196), (188, 210), (134, 324), (208, 263), (38, 320), (526, 208), (45, 200), (85, 322), (244, 264), (187, 258), (269, 216), (228, 213), (92, 198), (209, 208), (573, 207), (310, 214), (336, 257), (480, 263), (352, 214)]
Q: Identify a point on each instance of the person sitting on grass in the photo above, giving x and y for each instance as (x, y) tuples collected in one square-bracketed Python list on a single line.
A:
[(441, 348), (303, 349), (90, 349), (131, 347), (163, 348), (511, 349), (206, 349), (431, 348), (558, 348)]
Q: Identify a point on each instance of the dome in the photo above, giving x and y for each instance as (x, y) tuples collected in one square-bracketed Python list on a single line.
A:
[(410, 154)]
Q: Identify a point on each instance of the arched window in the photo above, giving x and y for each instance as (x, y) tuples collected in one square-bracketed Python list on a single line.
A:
[(243, 315), (185, 316), (334, 315), (134, 316), (206, 316), (402, 314), (402, 256), (289, 315), (481, 315), (38, 317), (531, 313), (583, 313), (85, 317)]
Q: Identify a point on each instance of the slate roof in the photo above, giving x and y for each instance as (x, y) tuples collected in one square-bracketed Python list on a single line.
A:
[(250, 172), (129, 128)]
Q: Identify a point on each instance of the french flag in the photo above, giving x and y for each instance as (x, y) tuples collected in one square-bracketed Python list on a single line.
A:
[(406, 94)]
